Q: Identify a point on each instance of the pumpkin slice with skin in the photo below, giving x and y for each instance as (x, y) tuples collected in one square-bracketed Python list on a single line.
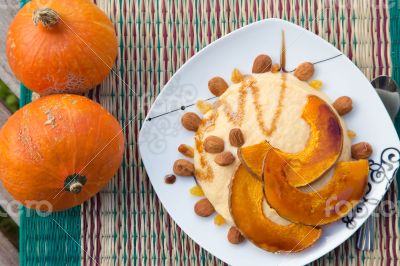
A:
[(325, 205), (252, 157), (246, 206), (322, 150)]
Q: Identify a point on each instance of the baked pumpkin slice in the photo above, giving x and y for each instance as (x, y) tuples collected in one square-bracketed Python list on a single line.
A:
[(322, 150), (246, 206), (319, 206), (252, 157)]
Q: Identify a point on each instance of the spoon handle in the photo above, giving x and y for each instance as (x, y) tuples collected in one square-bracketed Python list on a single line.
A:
[(388, 91)]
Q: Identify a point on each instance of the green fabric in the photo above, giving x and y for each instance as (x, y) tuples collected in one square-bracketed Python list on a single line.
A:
[(50, 240)]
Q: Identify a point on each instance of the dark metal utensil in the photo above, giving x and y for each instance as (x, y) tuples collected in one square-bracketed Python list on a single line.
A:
[(388, 91)]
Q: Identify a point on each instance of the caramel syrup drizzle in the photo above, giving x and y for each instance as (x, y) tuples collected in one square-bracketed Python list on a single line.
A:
[(278, 111), (283, 53), (237, 117), (205, 126), (269, 131)]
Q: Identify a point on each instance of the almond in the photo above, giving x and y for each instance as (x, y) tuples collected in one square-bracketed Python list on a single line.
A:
[(275, 68), (183, 168), (234, 236), (213, 144), (224, 158), (237, 76), (186, 150), (191, 121), (304, 71), (262, 63), (361, 150), (236, 137), (343, 105), (170, 179), (204, 208), (217, 86)]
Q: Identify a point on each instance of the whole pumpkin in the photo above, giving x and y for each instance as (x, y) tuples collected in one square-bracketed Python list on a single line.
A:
[(59, 151), (61, 46)]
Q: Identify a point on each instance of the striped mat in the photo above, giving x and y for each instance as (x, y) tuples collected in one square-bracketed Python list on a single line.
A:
[(125, 223)]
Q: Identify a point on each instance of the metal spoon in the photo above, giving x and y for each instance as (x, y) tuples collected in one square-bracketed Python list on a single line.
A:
[(388, 91)]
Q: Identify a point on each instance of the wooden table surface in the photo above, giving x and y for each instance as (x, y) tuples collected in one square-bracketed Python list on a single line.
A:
[(8, 9)]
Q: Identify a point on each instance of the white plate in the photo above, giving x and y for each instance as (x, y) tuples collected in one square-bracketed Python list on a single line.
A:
[(160, 137)]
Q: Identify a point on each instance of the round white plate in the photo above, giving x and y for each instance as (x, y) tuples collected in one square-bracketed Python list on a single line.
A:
[(161, 135)]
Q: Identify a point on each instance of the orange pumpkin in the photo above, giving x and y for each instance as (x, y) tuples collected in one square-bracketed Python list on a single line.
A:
[(59, 151), (61, 46)]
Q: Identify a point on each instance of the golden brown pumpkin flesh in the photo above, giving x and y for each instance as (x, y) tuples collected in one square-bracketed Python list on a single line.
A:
[(252, 157), (246, 201), (317, 207), (322, 149), (59, 151)]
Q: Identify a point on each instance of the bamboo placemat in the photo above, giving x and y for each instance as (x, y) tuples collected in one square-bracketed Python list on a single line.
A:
[(125, 223)]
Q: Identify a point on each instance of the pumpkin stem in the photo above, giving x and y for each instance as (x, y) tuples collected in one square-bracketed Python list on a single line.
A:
[(47, 16), (75, 187), (74, 183)]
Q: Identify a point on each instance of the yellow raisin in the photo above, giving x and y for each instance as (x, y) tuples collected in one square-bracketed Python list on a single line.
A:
[(219, 220), (197, 191), (237, 76), (203, 106), (316, 84), (351, 134), (275, 68)]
